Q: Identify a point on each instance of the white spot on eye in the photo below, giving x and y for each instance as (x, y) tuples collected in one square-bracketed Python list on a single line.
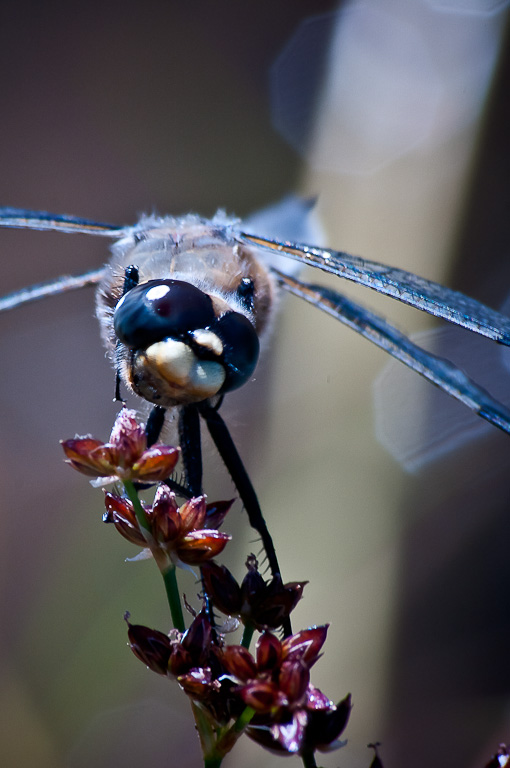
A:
[(157, 292), (120, 302)]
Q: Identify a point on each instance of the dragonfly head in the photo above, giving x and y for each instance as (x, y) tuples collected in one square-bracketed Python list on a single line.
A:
[(178, 344)]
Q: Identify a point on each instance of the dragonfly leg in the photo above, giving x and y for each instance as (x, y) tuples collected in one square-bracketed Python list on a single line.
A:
[(191, 448), (230, 456), (155, 424)]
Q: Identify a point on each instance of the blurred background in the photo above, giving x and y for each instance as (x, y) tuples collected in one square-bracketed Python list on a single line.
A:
[(395, 115)]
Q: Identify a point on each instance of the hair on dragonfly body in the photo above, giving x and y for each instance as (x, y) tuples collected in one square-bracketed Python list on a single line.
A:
[(183, 301)]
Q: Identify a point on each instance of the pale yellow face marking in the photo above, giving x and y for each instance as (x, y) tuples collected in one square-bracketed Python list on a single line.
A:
[(182, 371), (208, 340)]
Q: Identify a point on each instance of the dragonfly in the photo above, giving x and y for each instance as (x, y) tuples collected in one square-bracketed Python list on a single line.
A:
[(184, 301)]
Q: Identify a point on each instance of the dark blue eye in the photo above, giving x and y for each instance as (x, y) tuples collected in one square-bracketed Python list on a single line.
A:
[(240, 348), (159, 309)]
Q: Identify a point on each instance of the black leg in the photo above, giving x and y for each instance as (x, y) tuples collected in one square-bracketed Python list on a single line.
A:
[(191, 448), (191, 454), (155, 424), (117, 396), (153, 429), (228, 452)]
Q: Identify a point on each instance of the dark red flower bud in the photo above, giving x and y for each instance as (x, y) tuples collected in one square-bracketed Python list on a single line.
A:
[(199, 546), (198, 683), (125, 456), (326, 725), (197, 639), (305, 645), (222, 588), (261, 696), (276, 603), (253, 587), (239, 662), (150, 646), (180, 661), (315, 699), (155, 464), (193, 513), (166, 521), (216, 513), (283, 738), (293, 680), (121, 513), (80, 454), (127, 437), (267, 605), (268, 651)]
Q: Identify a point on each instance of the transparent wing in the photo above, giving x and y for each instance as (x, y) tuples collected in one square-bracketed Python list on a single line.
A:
[(41, 220), (406, 287), (22, 219), (417, 424), (50, 288), (437, 370)]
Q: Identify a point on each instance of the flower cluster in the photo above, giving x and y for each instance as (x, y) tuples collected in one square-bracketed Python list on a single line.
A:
[(124, 457), (195, 659), (264, 605), (187, 534), (291, 714), (268, 696)]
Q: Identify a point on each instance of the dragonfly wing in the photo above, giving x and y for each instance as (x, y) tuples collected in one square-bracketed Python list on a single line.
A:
[(417, 424), (291, 218), (23, 219), (405, 286), (436, 369), (50, 288), (20, 218)]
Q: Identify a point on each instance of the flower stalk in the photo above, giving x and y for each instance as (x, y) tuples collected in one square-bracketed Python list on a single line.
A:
[(249, 629), (308, 759), (174, 597), (141, 517), (166, 567)]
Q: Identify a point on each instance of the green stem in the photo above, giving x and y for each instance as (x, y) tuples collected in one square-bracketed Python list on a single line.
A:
[(174, 598), (212, 762), (141, 517), (207, 736), (247, 635), (167, 569), (243, 720), (227, 737), (308, 759)]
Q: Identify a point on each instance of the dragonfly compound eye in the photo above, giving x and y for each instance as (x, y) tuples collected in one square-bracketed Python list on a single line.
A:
[(181, 344), (240, 348), (160, 308)]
